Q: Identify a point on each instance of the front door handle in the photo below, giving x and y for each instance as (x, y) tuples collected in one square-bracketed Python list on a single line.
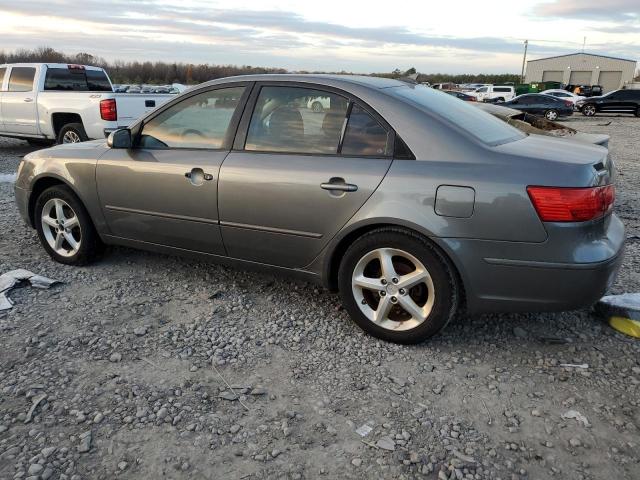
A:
[(338, 184), (28, 99), (197, 176)]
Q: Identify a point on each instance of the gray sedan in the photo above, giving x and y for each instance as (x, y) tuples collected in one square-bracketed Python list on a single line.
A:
[(411, 203)]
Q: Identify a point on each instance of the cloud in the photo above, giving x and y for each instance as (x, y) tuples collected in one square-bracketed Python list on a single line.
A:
[(607, 10)]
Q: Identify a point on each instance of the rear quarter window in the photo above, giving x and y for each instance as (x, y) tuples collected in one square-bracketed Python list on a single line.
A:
[(97, 81)]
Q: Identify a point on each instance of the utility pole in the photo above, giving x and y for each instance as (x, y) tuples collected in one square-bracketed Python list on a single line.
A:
[(524, 59), (584, 40)]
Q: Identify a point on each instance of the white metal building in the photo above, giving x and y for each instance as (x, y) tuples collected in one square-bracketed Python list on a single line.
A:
[(582, 69)]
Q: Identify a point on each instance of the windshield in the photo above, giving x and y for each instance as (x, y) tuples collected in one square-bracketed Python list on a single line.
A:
[(481, 125)]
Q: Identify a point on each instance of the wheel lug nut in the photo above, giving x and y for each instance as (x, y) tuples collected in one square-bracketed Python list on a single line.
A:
[(402, 291), (394, 280), (394, 299), (363, 301), (382, 293), (383, 281)]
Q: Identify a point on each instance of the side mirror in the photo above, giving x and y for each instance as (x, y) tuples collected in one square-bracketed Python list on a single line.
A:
[(119, 139)]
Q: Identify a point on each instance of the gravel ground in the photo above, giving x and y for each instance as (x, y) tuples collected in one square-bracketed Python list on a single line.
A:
[(150, 366)]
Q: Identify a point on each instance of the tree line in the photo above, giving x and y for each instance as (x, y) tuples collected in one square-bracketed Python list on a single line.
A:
[(157, 73)]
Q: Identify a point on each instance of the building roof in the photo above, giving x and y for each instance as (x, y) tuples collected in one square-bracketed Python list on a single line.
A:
[(583, 53)]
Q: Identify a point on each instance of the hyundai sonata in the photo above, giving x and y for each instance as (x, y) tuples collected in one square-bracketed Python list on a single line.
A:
[(410, 202)]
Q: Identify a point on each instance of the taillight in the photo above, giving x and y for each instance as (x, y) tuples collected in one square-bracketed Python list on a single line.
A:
[(108, 110), (561, 204), (568, 103)]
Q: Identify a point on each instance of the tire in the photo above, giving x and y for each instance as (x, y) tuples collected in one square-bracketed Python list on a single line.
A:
[(72, 133), (638, 112), (551, 115), (588, 110), (434, 297), (81, 231), (317, 107), (499, 100)]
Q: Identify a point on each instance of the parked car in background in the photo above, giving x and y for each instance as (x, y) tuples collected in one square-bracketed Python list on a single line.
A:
[(530, 123), (47, 103), (407, 201), (460, 95), (496, 93), (618, 101), (319, 104), (585, 90), (564, 95), (471, 87), (550, 107)]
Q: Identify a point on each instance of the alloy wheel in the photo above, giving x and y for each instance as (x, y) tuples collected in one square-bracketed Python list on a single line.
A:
[(589, 110), (61, 227), (71, 136), (393, 289), (551, 115)]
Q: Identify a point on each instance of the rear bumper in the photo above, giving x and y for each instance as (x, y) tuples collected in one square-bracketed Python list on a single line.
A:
[(502, 277)]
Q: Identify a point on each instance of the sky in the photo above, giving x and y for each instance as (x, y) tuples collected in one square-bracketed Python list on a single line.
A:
[(360, 36)]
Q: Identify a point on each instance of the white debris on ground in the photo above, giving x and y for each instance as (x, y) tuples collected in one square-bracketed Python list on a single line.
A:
[(7, 177), (11, 279)]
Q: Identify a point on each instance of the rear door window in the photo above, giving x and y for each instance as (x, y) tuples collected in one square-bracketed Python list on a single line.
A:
[(365, 136), (21, 79), (296, 120)]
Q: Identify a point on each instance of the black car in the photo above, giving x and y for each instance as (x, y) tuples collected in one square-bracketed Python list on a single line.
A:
[(540, 104), (618, 101), (461, 96)]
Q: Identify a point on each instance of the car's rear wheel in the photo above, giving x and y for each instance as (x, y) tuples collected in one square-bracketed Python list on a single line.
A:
[(551, 115), (638, 112), (397, 286), (316, 107), (589, 110), (65, 228), (72, 133), (499, 100)]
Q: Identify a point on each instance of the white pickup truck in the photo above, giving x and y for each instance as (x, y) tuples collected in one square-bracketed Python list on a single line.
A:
[(496, 93), (47, 103)]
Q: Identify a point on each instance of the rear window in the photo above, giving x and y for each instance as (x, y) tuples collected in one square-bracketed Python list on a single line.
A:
[(481, 125), (21, 79), (76, 80), (501, 89)]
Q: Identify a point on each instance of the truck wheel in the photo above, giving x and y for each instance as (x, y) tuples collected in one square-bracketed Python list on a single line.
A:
[(72, 133), (65, 228)]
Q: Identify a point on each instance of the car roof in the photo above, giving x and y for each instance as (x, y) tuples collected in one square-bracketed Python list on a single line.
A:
[(48, 65), (327, 79)]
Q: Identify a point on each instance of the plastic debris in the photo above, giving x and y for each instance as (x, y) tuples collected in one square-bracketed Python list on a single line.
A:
[(364, 430), (12, 278), (575, 365), (622, 311), (574, 414)]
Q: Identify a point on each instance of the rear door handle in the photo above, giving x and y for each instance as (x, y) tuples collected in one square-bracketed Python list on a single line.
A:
[(338, 184), (28, 99)]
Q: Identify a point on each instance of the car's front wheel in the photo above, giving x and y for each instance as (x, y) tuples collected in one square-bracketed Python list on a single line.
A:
[(64, 227), (551, 115), (589, 110), (397, 286)]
